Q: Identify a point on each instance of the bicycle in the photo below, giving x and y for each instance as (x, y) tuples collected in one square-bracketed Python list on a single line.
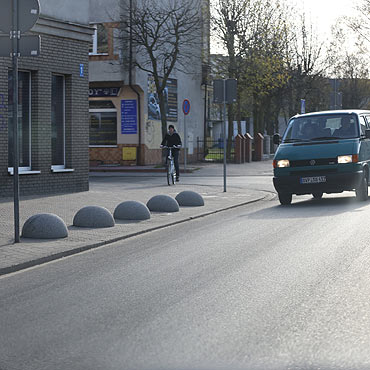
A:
[(171, 172)]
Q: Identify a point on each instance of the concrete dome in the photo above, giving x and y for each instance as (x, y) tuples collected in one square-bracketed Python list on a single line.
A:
[(93, 216), (163, 203), (44, 226), (131, 210), (190, 199)]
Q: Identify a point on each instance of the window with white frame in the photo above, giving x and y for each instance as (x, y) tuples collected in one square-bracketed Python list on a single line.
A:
[(24, 120), (99, 44), (103, 123), (58, 121)]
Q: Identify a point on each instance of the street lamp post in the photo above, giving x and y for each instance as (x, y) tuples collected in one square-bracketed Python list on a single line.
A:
[(17, 17), (15, 35)]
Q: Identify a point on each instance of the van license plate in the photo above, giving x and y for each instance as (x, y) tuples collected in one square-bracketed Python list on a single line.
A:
[(313, 180)]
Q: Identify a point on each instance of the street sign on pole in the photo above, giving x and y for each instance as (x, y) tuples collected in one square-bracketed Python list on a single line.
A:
[(225, 91), (186, 110), (29, 46), (231, 90), (186, 106), (28, 13), (218, 91)]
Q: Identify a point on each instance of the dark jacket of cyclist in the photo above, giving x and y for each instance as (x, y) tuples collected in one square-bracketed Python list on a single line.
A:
[(172, 138)]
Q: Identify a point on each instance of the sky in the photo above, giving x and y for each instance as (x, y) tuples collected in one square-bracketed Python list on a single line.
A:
[(323, 13)]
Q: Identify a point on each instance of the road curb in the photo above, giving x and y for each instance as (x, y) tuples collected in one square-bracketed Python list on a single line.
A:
[(60, 255)]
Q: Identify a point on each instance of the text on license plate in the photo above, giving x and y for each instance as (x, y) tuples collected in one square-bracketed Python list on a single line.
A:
[(313, 180)]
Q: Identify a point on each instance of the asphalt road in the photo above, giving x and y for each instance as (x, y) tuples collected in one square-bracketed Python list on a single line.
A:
[(258, 287), (256, 176)]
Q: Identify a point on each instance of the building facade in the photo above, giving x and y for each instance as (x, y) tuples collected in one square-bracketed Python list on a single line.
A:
[(125, 125), (53, 105)]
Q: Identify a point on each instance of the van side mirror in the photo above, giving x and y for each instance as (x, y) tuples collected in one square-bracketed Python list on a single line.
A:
[(276, 139), (367, 134)]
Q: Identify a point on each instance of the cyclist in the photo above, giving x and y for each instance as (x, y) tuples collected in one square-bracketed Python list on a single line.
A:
[(172, 139)]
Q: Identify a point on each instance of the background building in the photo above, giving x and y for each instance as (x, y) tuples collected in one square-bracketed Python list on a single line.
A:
[(125, 126), (53, 105)]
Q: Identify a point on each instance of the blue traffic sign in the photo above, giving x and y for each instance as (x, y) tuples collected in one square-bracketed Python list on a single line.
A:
[(186, 106)]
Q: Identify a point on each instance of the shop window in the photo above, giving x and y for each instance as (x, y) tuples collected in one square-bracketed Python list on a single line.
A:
[(58, 121), (99, 44), (24, 120), (103, 124)]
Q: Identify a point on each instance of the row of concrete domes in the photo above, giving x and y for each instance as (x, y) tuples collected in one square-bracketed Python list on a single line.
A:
[(51, 226)]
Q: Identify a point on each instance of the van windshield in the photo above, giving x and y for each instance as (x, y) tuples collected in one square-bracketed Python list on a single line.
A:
[(322, 127)]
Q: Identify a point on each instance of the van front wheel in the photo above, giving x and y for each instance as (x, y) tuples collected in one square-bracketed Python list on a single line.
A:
[(285, 198), (362, 190)]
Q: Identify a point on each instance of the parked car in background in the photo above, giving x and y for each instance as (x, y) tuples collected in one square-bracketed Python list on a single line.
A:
[(323, 152)]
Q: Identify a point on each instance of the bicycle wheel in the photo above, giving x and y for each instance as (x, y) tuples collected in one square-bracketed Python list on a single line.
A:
[(173, 175), (169, 174)]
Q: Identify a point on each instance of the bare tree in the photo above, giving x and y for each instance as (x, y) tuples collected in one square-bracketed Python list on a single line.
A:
[(306, 68), (253, 33), (236, 23), (350, 66), (265, 72), (163, 35), (361, 23)]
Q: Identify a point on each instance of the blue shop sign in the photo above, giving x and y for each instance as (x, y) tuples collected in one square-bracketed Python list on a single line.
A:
[(129, 116)]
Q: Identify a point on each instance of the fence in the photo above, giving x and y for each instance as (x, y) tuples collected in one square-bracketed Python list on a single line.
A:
[(269, 147), (213, 151)]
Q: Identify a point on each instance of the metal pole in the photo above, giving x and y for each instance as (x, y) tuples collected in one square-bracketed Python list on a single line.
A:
[(205, 122), (15, 48), (224, 136), (185, 142)]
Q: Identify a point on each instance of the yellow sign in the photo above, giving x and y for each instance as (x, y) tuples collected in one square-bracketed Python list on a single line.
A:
[(129, 153)]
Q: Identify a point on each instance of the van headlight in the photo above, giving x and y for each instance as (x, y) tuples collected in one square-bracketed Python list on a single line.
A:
[(283, 163), (353, 158)]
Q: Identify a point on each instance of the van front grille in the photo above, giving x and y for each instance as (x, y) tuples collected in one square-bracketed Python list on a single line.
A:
[(313, 162), (313, 172)]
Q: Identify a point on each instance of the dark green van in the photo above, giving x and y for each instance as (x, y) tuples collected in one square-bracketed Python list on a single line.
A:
[(323, 152)]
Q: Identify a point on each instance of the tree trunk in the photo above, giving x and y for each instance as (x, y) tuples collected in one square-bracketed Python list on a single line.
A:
[(163, 114), (238, 113)]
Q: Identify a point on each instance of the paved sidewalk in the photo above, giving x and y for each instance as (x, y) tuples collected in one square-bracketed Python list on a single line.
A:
[(107, 191)]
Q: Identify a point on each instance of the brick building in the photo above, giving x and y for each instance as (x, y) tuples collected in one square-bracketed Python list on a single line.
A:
[(53, 105)]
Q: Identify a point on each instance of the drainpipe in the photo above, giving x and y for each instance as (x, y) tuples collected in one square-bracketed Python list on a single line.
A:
[(134, 90)]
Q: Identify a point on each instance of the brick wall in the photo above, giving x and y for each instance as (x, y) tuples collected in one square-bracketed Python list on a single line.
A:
[(101, 155), (61, 56)]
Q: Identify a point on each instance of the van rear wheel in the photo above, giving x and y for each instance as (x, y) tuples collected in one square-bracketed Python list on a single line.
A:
[(362, 191), (317, 194), (285, 198)]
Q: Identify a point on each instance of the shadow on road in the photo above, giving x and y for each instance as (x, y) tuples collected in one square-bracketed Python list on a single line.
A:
[(304, 207)]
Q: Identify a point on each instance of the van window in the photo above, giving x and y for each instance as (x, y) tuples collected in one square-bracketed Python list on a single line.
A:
[(319, 127), (368, 121), (362, 125)]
